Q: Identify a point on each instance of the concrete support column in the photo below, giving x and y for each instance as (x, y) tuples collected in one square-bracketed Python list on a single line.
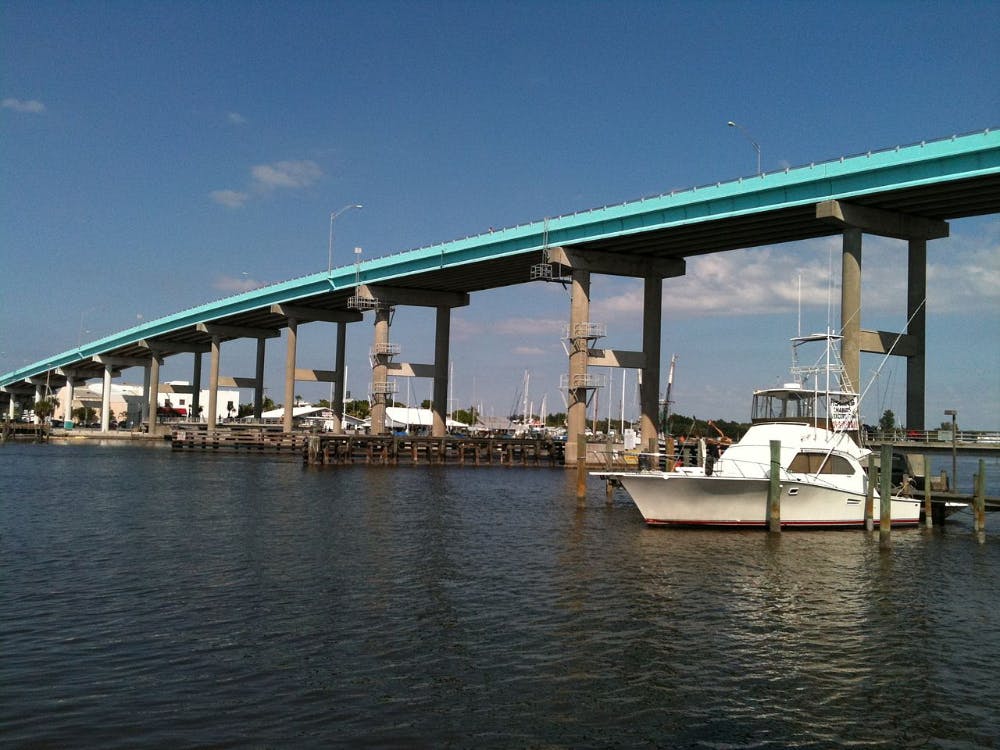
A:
[(213, 383), (340, 366), (106, 400), (916, 314), (439, 406), (39, 395), (154, 394), (579, 316), (649, 391), (293, 335), (196, 390), (380, 369), (67, 401), (258, 390), (850, 308), (146, 379), (10, 408)]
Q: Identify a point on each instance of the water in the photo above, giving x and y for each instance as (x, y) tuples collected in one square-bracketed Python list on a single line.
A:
[(153, 600)]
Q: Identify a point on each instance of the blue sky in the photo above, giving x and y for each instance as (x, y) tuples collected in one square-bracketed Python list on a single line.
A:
[(156, 156)]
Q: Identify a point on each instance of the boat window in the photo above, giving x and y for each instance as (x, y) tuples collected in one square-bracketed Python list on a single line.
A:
[(812, 463)]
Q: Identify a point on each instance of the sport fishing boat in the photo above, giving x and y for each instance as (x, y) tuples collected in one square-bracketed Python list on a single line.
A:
[(821, 462)]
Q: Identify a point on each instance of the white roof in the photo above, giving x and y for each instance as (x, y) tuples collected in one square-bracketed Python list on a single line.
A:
[(402, 416), (297, 411)]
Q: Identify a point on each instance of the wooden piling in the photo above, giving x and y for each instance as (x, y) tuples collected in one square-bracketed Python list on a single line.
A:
[(870, 494), (979, 502), (928, 505), (774, 489), (885, 497)]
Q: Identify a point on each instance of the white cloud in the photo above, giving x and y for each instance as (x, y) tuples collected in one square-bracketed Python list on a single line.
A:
[(286, 174), (234, 285), (266, 178), (230, 198), (235, 118), (32, 106)]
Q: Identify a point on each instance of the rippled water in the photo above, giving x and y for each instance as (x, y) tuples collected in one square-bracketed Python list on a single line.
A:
[(151, 599)]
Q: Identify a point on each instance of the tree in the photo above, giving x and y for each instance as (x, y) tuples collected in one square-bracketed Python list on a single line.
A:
[(84, 414), (887, 423), (45, 408), (359, 409)]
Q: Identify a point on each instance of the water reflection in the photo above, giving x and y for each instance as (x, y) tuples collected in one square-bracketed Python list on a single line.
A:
[(467, 607)]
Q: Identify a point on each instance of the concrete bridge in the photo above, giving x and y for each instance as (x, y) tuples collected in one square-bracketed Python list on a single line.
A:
[(907, 192)]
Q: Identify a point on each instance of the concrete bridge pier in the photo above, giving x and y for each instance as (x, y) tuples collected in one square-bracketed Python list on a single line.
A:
[(382, 353), (911, 343), (291, 343), (579, 343), (195, 386), (384, 299), (339, 366), (649, 390), (439, 402), (152, 389)]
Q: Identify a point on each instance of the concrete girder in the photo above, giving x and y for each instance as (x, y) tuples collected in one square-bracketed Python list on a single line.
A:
[(119, 363), (18, 388), (617, 264), (306, 375), (77, 375), (616, 358), (394, 295), (237, 382), (884, 342), (237, 332), (408, 370), (166, 348), (881, 222), (176, 388), (310, 314)]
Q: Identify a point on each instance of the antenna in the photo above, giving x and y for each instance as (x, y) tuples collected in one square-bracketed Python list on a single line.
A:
[(800, 303)]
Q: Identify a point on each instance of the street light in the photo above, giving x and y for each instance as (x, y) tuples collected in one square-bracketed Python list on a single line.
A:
[(334, 215), (756, 146), (954, 451)]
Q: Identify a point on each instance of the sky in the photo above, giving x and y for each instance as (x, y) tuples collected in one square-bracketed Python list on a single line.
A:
[(158, 156)]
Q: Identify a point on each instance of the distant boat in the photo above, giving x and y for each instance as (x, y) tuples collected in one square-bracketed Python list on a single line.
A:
[(823, 481)]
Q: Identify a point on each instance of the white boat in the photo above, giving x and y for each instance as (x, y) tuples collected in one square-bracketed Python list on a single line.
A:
[(822, 474)]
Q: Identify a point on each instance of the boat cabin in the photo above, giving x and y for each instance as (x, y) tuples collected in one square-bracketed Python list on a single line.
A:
[(832, 410)]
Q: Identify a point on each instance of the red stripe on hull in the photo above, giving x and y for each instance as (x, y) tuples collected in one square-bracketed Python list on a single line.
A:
[(763, 524)]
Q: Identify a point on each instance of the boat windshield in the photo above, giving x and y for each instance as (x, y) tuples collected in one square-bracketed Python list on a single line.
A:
[(784, 404), (835, 410)]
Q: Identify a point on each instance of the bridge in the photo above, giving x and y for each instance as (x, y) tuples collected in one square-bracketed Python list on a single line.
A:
[(907, 192)]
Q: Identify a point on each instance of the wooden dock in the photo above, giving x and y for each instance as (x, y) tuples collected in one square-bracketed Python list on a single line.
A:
[(394, 450), (24, 432), (327, 449)]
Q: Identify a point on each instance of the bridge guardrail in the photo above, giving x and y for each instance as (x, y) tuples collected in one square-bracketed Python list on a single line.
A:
[(966, 437)]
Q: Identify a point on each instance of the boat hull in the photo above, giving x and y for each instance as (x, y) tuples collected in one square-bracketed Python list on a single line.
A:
[(670, 499)]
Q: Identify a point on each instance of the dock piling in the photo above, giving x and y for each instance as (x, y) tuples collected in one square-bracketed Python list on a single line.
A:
[(979, 502), (774, 489), (885, 498), (928, 505)]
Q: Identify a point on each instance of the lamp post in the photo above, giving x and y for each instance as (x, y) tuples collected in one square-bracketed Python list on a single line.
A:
[(333, 216), (756, 146), (954, 451)]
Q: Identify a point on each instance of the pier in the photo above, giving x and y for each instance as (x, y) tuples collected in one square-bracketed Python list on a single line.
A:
[(327, 449)]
